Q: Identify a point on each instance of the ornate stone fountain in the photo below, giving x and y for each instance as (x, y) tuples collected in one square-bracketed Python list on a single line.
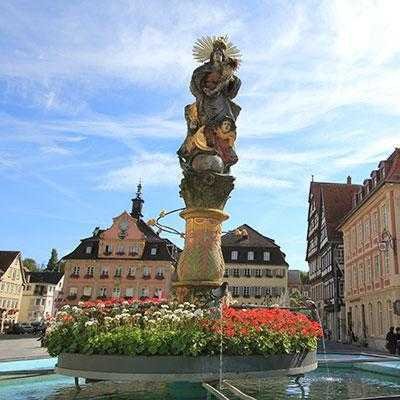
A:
[(206, 156)]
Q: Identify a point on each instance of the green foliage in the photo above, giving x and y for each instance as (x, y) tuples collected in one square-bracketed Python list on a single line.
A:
[(30, 264), (52, 264), (147, 329)]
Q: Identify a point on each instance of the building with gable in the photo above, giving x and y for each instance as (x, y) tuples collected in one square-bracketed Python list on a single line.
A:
[(371, 231), (12, 279), (255, 266), (328, 204), (126, 260), (40, 296)]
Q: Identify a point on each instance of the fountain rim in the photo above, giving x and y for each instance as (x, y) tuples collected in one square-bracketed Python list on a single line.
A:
[(183, 368)]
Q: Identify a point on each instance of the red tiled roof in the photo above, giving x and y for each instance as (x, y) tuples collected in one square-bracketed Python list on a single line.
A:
[(337, 200)]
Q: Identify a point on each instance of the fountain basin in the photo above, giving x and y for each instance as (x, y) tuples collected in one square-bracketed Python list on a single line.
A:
[(183, 368)]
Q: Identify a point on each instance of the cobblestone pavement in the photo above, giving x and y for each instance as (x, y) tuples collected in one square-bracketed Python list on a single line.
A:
[(21, 348), (332, 346)]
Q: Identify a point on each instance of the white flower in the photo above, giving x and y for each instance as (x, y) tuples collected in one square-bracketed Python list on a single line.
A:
[(198, 313), (66, 307), (164, 306), (81, 303), (91, 323)]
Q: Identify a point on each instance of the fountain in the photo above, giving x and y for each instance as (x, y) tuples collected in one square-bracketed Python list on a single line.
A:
[(136, 341)]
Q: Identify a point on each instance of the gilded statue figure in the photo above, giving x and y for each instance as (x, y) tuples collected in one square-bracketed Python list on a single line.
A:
[(211, 119)]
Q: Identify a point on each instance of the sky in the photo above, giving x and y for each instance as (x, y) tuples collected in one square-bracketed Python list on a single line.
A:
[(92, 96)]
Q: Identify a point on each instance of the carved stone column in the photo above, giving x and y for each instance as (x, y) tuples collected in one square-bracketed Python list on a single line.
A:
[(201, 264)]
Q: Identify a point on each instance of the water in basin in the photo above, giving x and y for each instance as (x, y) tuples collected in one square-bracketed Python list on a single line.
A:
[(318, 385)]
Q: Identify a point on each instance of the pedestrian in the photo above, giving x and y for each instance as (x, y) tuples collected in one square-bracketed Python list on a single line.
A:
[(397, 340), (391, 341)]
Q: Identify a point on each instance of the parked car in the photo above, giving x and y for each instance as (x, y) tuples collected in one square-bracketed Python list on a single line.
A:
[(39, 327), (20, 329)]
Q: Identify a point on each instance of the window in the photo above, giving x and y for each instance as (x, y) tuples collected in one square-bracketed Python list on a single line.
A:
[(103, 292), (146, 271), (104, 271), (153, 251), (367, 230), (234, 255), (247, 272), (158, 293), (384, 215), (360, 234), (375, 224), (258, 273), (144, 292), (120, 250), (236, 272), (361, 274), (108, 249), (235, 291), (73, 291), (131, 271), (250, 255), (87, 291), (76, 270), (266, 256), (246, 291), (257, 291), (355, 277), (268, 273), (134, 250), (116, 292), (377, 264), (160, 273), (89, 271), (118, 272), (43, 302), (38, 301), (386, 263), (88, 249), (368, 276), (129, 292)]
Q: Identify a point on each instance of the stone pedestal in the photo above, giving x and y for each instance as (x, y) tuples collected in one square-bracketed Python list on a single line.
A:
[(201, 264)]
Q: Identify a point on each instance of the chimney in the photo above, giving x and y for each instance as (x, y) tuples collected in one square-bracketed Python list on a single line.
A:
[(349, 180)]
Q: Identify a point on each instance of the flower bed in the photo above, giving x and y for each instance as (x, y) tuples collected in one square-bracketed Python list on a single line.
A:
[(148, 328)]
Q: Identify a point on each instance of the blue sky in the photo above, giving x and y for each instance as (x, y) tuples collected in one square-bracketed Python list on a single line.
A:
[(92, 96)]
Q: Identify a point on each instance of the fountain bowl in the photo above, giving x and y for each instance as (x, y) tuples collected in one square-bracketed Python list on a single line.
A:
[(183, 368)]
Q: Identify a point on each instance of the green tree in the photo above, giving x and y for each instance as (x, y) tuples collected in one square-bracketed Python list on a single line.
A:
[(304, 277), (30, 264), (53, 261)]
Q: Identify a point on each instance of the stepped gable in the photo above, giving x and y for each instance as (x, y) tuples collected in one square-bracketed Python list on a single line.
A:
[(253, 241), (6, 258)]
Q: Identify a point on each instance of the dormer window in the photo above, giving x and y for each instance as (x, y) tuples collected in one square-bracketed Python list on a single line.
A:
[(250, 255), (153, 251), (88, 249), (234, 255)]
